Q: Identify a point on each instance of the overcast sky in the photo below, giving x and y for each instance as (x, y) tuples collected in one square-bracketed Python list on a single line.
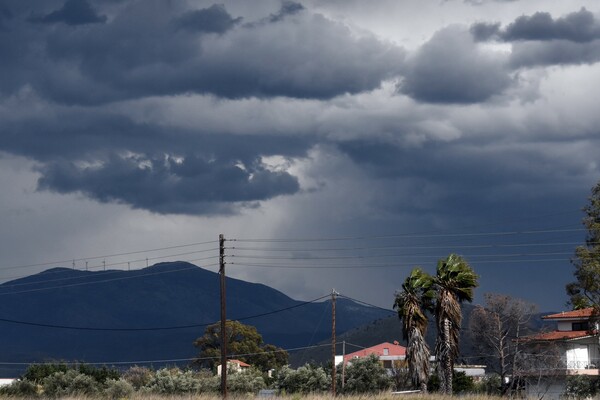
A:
[(416, 127)]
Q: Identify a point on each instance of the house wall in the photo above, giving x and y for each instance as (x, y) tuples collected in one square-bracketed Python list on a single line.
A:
[(565, 326)]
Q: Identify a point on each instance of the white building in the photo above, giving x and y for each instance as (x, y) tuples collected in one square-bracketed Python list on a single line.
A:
[(571, 349)]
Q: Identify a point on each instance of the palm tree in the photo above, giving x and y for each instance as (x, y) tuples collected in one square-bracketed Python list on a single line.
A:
[(411, 303), (454, 283)]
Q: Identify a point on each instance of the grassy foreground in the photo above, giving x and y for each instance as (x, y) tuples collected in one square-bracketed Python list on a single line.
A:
[(382, 396)]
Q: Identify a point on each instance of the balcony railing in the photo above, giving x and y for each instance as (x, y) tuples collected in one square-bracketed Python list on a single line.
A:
[(587, 364)]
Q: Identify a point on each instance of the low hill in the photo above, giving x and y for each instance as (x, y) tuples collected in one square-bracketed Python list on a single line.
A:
[(168, 305)]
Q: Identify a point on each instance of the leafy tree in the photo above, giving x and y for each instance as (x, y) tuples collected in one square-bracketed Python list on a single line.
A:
[(244, 342), (494, 328), (454, 283), (585, 291), (411, 303), (366, 375)]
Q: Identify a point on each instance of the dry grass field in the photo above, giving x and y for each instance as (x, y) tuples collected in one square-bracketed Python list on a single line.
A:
[(382, 396)]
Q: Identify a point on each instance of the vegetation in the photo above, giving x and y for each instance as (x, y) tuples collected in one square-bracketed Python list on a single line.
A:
[(366, 375), (585, 291), (411, 303), (241, 339), (454, 283), (494, 329)]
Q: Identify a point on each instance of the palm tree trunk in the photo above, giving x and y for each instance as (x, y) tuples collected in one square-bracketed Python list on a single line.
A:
[(447, 359)]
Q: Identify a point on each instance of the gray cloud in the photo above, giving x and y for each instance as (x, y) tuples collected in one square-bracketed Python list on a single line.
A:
[(214, 19), (541, 40), (287, 8), (110, 158), (142, 51), (73, 12), (188, 185), (451, 68), (483, 31), (557, 52), (581, 26)]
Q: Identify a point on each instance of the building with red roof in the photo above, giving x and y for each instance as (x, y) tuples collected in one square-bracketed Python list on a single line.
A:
[(570, 349), (386, 352)]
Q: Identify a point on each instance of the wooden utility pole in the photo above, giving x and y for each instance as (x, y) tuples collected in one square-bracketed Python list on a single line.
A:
[(333, 372), (343, 364), (223, 318)]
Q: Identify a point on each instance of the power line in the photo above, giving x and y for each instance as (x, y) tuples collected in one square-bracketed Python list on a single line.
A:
[(404, 264), (107, 255), (172, 360), (104, 280), (99, 266), (85, 328), (267, 249), (408, 235)]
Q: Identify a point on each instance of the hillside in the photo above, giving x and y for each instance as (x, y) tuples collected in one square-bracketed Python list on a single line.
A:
[(165, 295)]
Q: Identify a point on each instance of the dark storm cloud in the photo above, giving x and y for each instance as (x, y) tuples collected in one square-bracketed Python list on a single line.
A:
[(214, 19), (450, 68), (287, 8), (483, 31), (556, 52), (73, 12), (142, 51), (541, 40), (581, 26), (110, 158), (190, 185)]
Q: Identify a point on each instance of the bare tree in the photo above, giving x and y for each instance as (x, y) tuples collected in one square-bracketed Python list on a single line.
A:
[(495, 329)]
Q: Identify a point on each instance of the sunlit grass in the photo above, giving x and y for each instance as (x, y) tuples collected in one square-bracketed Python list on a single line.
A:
[(382, 396)]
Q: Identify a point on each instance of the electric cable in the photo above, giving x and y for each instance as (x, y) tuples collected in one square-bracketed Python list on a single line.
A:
[(85, 328)]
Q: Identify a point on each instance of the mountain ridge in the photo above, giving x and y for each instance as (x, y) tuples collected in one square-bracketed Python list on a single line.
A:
[(172, 294)]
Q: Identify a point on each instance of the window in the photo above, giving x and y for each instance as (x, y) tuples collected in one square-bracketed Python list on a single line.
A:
[(386, 351), (581, 326)]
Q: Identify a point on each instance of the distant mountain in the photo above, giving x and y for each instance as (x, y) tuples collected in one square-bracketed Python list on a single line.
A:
[(171, 294)]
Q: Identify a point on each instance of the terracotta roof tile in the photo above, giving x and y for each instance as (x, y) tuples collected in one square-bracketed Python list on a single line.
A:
[(583, 313), (557, 335), (393, 350)]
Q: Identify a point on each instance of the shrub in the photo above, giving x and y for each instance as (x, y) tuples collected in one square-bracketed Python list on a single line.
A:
[(20, 388), (69, 383), (306, 379), (366, 375), (138, 376), (173, 381), (245, 382), (118, 389), (581, 386), (38, 372)]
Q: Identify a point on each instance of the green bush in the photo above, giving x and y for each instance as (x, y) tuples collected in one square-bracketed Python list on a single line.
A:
[(490, 385), (306, 379), (20, 388), (38, 372), (70, 383), (366, 375), (174, 381), (118, 389), (138, 376), (582, 386), (246, 382)]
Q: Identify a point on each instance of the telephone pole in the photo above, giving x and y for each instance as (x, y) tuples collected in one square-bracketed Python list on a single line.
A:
[(223, 318), (333, 371), (343, 365)]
